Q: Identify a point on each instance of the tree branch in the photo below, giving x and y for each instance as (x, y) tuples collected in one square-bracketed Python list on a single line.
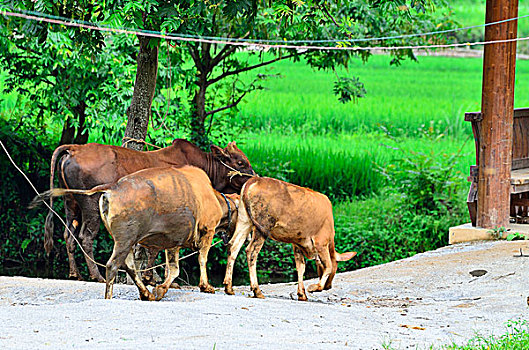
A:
[(195, 55), (225, 52), (328, 14), (228, 106), (234, 72)]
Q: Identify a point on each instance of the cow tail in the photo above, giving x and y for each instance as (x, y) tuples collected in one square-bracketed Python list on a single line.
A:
[(58, 192), (49, 226), (103, 209), (341, 256)]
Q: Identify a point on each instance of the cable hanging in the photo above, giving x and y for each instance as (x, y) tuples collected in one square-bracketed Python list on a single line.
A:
[(43, 17)]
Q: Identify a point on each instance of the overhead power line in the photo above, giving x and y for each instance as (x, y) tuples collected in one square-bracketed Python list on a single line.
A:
[(277, 41), (229, 41)]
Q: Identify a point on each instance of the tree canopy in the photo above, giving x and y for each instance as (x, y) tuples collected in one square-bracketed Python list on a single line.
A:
[(83, 76)]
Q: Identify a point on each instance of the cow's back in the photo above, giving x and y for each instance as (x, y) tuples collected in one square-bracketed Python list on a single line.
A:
[(94, 164), (287, 212), (159, 207)]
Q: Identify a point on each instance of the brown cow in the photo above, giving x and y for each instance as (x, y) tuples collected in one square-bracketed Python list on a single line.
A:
[(86, 166), (290, 214), (161, 208)]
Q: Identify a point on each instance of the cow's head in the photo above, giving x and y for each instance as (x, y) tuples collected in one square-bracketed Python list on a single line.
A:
[(227, 225), (232, 158)]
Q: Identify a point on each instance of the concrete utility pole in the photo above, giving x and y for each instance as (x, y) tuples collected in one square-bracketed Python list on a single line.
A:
[(497, 106)]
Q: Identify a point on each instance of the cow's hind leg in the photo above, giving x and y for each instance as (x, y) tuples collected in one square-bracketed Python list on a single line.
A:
[(92, 221), (205, 244), (172, 270), (244, 226), (149, 275), (130, 266), (117, 259), (325, 258), (300, 268), (69, 238), (252, 251)]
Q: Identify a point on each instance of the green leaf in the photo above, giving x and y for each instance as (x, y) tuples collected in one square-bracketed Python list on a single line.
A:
[(25, 244)]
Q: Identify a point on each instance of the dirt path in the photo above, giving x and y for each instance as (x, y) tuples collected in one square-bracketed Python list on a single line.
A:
[(367, 309)]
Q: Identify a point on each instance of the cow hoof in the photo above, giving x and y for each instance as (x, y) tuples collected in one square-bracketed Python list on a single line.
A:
[(314, 288), (258, 294), (75, 277), (207, 289), (159, 292), (147, 297), (302, 297), (175, 285), (228, 289)]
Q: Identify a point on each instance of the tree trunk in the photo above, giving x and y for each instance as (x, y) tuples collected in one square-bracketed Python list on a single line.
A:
[(71, 134), (82, 132), (139, 111), (198, 129), (68, 132)]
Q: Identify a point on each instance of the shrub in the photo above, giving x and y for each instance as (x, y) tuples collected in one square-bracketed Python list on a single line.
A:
[(21, 230)]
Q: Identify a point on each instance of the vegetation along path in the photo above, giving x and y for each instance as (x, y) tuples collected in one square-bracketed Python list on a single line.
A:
[(434, 298)]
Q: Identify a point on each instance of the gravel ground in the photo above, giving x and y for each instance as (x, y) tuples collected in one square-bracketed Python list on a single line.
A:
[(429, 299)]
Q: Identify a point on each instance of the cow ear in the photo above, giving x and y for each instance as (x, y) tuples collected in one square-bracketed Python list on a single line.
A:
[(232, 147), (219, 152)]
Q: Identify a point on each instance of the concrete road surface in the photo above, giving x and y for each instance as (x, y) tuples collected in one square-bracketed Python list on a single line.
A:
[(435, 298)]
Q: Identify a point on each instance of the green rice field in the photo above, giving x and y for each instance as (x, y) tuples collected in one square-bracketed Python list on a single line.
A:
[(297, 125), (435, 89)]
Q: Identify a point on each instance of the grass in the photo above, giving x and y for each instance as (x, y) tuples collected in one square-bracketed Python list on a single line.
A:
[(439, 89), (342, 165), (472, 12), (516, 337)]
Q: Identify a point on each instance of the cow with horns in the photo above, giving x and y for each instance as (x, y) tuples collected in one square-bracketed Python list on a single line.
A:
[(86, 166)]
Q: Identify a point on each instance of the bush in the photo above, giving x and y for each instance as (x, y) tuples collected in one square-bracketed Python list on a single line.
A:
[(423, 199), (22, 230)]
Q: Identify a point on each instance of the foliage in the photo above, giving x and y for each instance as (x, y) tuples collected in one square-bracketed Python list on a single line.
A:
[(424, 198), (21, 235), (341, 166), (516, 337), (498, 232), (212, 82), (68, 75), (400, 99), (502, 232), (472, 12)]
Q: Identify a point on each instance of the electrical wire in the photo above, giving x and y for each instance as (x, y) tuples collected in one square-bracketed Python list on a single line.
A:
[(260, 43)]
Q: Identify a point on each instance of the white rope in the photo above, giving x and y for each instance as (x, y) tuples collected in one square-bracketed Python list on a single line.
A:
[(138, 31), (229, 41)]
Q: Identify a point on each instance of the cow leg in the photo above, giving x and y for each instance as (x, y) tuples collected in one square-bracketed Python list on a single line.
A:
[(325, 257), (242, 230), (171, 272), (148, 276), (252, 251), (70, 247), (319, 266), (130, 267), (117, 259), (334, 265), (205, 244), (87, 240), (300, 268)]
